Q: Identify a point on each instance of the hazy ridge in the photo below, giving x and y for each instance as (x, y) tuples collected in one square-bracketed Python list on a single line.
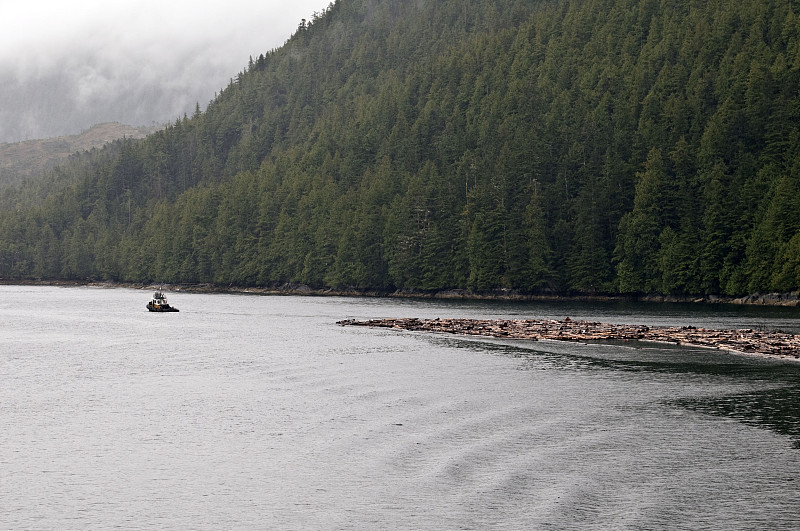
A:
[(21, 160)]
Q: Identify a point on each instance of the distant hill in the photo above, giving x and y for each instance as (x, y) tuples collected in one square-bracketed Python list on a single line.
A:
[(21, 160)]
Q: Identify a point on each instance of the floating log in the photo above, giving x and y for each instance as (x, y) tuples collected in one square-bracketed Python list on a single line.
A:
[(743, 340)]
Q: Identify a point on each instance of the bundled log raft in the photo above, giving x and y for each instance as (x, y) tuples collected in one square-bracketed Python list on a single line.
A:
[(744, 340)]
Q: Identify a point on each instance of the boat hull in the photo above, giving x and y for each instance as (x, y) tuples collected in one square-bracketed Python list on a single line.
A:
[(159, 308)]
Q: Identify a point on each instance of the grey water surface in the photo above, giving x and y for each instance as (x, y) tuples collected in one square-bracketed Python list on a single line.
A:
[(260, 412)]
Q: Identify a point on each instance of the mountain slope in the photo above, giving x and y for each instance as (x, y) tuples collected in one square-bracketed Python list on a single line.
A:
[(601, 146), (21, 160)]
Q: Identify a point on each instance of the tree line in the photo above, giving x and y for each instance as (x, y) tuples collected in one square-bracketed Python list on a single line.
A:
[(595, 146)]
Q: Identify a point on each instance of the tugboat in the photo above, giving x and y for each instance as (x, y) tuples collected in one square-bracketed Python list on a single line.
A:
[(160, 304)]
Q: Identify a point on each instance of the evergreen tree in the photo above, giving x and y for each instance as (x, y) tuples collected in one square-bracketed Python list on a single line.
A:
[(637, 247)]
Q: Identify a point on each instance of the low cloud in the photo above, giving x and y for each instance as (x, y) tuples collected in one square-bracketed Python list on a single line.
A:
[(66, 66)]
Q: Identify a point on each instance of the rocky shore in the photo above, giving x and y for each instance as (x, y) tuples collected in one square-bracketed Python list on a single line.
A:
[(791, 299), (748, 341)]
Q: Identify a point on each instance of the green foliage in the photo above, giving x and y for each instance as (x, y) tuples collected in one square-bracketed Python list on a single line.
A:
[(638, 242), (606, 146)]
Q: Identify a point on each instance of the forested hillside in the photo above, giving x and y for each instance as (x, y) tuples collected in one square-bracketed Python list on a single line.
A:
[(595, 146)]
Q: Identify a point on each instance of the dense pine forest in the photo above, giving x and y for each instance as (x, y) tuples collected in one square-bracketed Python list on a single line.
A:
[(539, 146)]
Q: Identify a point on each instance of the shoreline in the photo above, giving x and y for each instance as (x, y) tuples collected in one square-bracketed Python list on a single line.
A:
[(774, 345), (790, 299)]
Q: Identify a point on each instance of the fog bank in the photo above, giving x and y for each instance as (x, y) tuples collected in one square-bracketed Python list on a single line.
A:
[(65, 66)]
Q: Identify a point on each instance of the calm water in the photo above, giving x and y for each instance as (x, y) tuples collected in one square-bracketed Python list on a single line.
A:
[(254, 412)]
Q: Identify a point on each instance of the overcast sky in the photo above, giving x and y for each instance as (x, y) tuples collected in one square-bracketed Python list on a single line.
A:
[(68, 64)]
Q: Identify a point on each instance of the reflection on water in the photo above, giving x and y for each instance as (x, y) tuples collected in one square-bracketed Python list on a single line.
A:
[(775, 409)]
